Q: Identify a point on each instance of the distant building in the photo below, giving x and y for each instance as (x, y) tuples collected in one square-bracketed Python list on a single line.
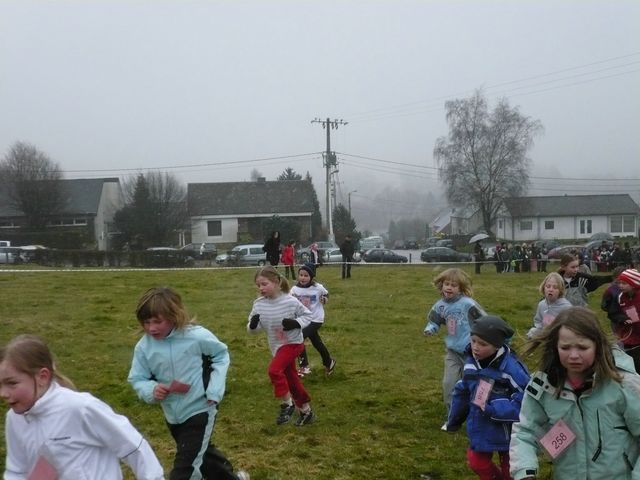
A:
[(567, 217), (456, 221), (90, 204), (223, 212)]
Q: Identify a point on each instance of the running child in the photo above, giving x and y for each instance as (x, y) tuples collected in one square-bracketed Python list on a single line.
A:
[(578, 284), (581, 406), (488, 397), (282, 317), (457, 311), (629, 284), (53, 431), (182, 366), (552, 303), (289, 259), (312, 295)]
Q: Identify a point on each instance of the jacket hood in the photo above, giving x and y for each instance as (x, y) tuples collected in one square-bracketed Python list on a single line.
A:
[(622, 360)]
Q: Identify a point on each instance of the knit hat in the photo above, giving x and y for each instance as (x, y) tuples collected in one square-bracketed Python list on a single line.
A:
[(492, 329), (630, 276), (310, 268)]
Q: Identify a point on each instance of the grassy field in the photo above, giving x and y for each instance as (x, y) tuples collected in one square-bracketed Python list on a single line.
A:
[(378, 415)]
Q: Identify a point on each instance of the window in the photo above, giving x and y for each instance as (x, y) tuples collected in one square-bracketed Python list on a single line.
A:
[(622, 224), (526, 225), (549, 224), (214, 228), (585, 226)]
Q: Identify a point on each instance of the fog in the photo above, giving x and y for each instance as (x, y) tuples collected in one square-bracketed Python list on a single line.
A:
[(211, 90)]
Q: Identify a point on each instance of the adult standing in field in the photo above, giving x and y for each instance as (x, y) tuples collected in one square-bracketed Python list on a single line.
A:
[(347, 250), (272, 248), (478, 253)]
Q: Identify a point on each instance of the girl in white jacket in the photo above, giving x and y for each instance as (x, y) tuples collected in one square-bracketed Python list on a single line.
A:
[(54, 432)]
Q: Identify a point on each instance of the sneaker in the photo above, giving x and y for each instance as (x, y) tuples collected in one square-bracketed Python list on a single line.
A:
[(444, 427), (305, 418), (286, 411), (304, 371), (242, 475), (329, 369)]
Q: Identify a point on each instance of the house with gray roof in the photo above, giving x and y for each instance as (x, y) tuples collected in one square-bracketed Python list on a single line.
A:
[(227, 212), (567, 217), (90, 204)]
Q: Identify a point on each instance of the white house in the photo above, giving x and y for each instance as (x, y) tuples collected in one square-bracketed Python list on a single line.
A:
[(228, 212), (89, 204), (567, 217)]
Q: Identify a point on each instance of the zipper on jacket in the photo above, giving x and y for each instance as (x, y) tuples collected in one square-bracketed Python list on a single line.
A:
[(599, 449)]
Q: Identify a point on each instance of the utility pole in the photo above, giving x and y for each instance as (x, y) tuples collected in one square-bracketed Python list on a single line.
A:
[(349, 196), (329, 162)]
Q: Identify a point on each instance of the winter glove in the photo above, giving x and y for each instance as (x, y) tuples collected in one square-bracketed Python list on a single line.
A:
[(289, 324), (253, 323)]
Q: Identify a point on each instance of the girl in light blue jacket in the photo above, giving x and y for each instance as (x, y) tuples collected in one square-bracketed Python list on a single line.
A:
[(582, 406), (182, 366)]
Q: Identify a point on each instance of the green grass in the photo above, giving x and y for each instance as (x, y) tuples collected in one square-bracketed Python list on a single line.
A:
[(378, 415)]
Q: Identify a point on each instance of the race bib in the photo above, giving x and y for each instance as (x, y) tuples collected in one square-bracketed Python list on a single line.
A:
[(482, 393), (547, 319), (632, 313), (451, 325), (179, 387), (558, 439), (43, 470)]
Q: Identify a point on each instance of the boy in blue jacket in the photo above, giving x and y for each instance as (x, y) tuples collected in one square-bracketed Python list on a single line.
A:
[(488, 397)]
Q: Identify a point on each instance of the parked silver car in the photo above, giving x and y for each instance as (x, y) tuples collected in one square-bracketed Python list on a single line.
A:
[(242, 255), (333, 255)]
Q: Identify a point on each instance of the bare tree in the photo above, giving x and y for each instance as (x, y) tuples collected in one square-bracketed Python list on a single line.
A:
[(484, 158), (31, 181)]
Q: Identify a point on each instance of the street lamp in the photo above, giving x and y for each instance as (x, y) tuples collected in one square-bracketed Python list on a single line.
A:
[(349, 197)]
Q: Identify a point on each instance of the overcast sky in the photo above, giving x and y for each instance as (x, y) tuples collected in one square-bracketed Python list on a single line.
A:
[(208, 90)]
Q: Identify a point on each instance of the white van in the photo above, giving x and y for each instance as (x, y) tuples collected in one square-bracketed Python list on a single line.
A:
[(367, 243), (251, 254)]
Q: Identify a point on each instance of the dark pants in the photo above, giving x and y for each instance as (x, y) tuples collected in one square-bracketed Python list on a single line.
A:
[(290, 268), (346, 266), (194, 449), (311, 332)]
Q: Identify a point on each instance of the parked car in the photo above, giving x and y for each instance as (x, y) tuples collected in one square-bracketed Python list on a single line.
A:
[(444, 254), (556, 253), (375, 241), (250, 254), (601, 236), (334, 256), (201, 251), (304, 255), (383, 255), (411, 245), (598, 243), (12, 255), (550, 244), (222, 258), (167, 257), (445, 242)]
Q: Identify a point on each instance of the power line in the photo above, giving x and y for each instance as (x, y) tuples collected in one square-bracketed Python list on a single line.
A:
[(427, 105), (195, 165)]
